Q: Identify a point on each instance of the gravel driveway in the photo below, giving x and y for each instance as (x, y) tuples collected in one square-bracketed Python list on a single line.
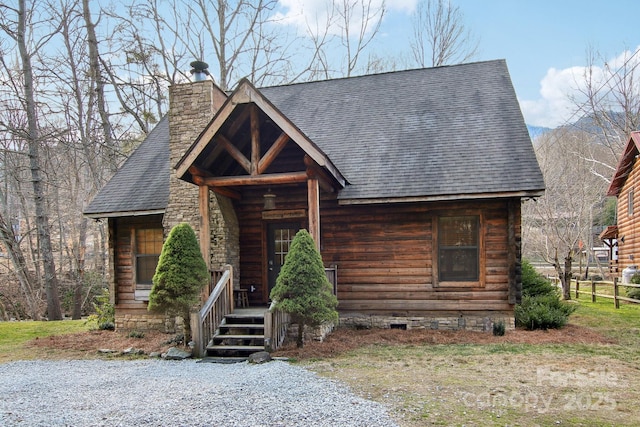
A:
[(186, 393)]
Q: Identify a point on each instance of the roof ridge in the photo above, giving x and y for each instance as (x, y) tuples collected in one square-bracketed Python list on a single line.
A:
[(384, 73)]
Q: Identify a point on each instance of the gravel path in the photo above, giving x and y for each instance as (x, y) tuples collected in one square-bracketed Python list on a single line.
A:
[(164, 393)]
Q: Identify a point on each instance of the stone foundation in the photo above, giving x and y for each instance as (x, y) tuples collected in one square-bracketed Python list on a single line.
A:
[(479, 323), (148, 322), (310, 334)]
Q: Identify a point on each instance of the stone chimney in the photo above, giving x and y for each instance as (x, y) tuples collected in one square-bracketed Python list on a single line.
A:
[(191, 107)]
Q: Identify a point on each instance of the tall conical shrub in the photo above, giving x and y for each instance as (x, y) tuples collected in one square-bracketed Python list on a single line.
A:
[(180, 275), (302, 288)]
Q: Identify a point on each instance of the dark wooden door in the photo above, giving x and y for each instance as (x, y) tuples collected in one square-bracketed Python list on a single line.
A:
[(279, 237)]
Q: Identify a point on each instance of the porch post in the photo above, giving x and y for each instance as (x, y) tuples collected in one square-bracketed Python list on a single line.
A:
[(205, 230), (313, 196)]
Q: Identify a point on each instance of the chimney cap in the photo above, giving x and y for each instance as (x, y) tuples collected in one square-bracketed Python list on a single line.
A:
[(198, 69)]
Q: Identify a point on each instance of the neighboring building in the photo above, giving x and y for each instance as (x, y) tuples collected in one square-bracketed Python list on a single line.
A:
[(410, 182), (623, 238)]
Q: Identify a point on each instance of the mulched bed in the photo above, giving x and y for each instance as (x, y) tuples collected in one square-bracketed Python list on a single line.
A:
[(86, 344)]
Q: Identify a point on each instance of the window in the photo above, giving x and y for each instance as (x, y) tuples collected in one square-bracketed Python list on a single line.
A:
[(458, 248), (630, 202), (148, 245)]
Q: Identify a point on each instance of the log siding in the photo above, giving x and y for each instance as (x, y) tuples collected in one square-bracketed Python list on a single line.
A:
[(628, 227), (385, 253)]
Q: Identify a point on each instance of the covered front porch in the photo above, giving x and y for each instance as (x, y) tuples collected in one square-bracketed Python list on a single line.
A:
[(268, 180)]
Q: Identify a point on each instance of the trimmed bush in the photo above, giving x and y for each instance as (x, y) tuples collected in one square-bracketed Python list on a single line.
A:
[(541, 307), (180, 275), (302, 288)]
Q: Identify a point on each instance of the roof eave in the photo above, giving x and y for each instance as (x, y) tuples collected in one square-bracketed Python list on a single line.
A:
[(100, 215), (625, 164), (528, 194)]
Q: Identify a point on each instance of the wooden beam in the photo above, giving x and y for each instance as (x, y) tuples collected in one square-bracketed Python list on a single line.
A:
[(235, 153), (255, 140), (238, 122), (313, 200), (205, 230), (197, 172), (271, 179), (314, 170), (272, 152), (227, 192)]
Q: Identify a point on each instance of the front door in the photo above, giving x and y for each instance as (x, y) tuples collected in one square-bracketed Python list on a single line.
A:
[(279, 238)]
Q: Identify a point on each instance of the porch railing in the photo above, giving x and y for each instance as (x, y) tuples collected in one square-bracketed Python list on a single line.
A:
[(206, 321), (276, 323)]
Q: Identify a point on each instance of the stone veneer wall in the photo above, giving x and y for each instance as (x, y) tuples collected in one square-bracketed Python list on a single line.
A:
[(192, 106), (225, 236), (479, 323), (141, 322), (190, 110)]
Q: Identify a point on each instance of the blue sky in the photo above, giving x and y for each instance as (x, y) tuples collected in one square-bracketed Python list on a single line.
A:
[(544, 42)]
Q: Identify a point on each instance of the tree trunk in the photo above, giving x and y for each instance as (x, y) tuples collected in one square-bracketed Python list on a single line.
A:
[(94, 64), (79, 274), (566, 283), (300, 339), (564, 274), (33, 140)]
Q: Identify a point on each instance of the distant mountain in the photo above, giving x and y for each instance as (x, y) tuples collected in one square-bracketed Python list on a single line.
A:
[(536, 131)]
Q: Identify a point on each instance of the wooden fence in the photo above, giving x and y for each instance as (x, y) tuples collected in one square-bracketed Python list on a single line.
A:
[(592, 286)]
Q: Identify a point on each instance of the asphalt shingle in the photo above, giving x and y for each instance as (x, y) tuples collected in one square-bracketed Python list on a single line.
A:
[(142, 183), (446, 131)]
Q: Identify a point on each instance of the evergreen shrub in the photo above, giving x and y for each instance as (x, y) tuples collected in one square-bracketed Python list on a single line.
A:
[(302, 288), (180, 275), (541, 307)]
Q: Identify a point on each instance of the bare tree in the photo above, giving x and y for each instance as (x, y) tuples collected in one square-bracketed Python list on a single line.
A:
[(11, 243), (559, 224), (608, 100), (359, 22), (439, 35), (95, 74), (22, 32)]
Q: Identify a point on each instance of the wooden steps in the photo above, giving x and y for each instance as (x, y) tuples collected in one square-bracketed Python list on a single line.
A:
[(240, 334)]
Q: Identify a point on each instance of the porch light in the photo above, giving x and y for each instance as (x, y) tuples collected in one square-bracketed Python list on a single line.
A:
[(269, 200)]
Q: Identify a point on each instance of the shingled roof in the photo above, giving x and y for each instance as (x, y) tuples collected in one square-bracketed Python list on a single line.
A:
[(428, 134), (454, 131), (141, 185)]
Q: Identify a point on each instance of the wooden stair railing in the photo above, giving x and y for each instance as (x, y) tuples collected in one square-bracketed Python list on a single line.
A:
[(206, 321), (276, 323)]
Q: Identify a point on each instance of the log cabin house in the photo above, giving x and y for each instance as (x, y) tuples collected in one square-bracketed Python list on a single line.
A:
[(624, 238), (410, 182)]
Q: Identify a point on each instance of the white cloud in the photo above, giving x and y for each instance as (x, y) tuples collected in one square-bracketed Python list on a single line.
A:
[(313, 15), (554, 107), (560, 90)]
